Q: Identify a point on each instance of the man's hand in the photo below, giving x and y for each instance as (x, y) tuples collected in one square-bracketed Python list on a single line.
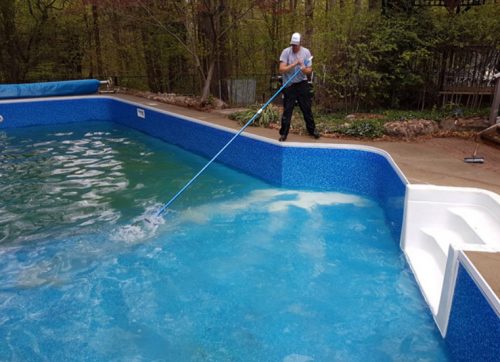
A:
[(288, 68), (306, 66), (300, 62)]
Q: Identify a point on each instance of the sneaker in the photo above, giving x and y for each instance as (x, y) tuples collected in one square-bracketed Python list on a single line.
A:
[(282, 138), (316, 135)]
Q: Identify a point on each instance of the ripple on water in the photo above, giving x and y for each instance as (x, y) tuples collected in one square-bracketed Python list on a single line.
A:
[(50, 180)]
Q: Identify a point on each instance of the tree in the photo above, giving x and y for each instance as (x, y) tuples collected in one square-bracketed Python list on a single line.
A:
[(309, 22), (23, 32), (9, 52), (203, 33), (97, 38), (362, 59)]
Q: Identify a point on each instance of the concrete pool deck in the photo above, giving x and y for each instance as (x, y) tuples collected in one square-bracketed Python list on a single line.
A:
[(435, 161)]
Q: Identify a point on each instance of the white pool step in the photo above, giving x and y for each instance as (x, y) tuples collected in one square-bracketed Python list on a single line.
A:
[(439, 220), (443, 238), (429, 260), (426, 268), (479, 221)]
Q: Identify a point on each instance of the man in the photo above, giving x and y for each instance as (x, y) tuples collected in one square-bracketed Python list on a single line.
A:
[(298, 89)]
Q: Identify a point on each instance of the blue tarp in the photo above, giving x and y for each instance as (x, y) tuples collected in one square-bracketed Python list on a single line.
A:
[(49, 89)]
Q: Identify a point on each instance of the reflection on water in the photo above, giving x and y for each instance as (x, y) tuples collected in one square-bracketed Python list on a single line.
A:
[(57, 181)]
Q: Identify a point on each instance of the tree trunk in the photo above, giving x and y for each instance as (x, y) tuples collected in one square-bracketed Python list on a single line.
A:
[(8, 55), (309, 23), (223, 55), (207, 39), (293, 14), (275, 35), (271, 14), (329, 4), (373, 4), (88, 39), (121, 54), (151, 57), (206, 87), (213, 19), (97, 39), (451, 5), (357, 6)]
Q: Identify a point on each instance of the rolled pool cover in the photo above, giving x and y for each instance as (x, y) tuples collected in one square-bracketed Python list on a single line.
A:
[(49, 89)]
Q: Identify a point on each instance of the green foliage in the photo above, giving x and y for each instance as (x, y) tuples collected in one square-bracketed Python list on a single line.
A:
[(368, 128), (26, 32), (477, 26), (375, 60), (350, 55), (435, 113), (337, 123), (363, 59), (372, 61), (269, 115)]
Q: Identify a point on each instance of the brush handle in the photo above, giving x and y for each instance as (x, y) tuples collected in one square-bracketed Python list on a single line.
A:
[(256, 115)]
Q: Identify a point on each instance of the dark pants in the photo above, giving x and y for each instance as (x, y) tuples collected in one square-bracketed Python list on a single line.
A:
[(299, 92)]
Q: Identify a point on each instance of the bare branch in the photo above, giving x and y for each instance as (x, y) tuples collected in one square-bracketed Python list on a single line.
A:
[(158, 23)]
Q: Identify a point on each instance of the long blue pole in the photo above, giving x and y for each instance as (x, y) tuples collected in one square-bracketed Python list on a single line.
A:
[(259, 112)]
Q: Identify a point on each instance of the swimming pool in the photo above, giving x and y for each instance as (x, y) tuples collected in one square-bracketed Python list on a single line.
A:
[(242, 269)]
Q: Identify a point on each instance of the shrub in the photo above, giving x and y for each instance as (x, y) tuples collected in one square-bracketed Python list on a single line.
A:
[(362, 128), (270, 115)]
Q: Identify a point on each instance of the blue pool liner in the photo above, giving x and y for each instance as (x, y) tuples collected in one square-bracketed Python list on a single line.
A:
[(348, 170), (474, 327), (49, 89)]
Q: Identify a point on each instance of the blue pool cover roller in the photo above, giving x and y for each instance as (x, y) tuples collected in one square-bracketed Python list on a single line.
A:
[(49, 89)]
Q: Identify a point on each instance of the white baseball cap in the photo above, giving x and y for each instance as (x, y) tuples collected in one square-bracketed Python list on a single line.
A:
[(295, 39)]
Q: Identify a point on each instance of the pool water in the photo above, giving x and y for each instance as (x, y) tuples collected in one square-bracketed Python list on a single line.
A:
[(239, 270)]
